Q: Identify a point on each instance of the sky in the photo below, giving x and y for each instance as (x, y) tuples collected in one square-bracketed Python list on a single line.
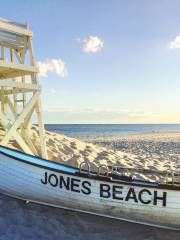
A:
[(105, 61)]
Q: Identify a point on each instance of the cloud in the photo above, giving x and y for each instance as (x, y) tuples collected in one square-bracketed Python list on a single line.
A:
[(99, 115), (121, 111), (92, 44), (56, 66), (175, 43)]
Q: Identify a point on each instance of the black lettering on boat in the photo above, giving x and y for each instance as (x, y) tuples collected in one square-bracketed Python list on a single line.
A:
[(44, 181), (75, 185), (68, 183), (105, 191), (86, 187), (131, 195), (53, 180), (141, 194), (160, 198), (116, 192), (64, 182)]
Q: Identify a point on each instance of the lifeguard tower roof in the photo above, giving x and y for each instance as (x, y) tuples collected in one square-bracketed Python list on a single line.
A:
[(14, 36)]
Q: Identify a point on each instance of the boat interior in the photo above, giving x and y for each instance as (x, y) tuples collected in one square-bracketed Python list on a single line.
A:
[(130, 174)]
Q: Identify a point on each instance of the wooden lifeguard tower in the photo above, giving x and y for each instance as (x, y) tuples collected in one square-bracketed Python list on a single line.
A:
[(19, 88)]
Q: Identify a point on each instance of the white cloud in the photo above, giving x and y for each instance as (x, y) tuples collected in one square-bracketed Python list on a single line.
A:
[(100, 115), (92, 44), (119, 111), (52, 65), (175, 43)]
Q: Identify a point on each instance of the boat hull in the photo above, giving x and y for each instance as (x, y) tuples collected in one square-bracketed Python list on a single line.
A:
[(140, 204)]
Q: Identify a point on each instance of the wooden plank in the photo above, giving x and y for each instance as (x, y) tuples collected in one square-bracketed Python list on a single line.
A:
[(11, 37), (12, 55), (11, 28), (13, 129), (27, 124), (24, 133), (6, 124), (3, 55), (3, 98), (17, 91), (10, 70), (23, 67), (24, 94), (41, 129), (9, 42), (10, 33), (15, 40), (13, 84), (13, 23), (18, 57), (10, 45), (15, 105), (24, 50), (31, 51), (13, 110)]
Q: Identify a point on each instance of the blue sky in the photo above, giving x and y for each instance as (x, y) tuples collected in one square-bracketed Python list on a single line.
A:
[(133, 78)]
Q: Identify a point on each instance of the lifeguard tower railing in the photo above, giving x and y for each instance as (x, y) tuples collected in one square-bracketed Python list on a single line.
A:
[(19, 88)]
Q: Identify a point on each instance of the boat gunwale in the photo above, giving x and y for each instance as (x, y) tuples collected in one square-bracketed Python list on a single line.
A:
[(146, 184)]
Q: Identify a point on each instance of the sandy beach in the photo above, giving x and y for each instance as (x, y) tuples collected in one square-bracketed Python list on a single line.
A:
[(158, 151), (152, 150)]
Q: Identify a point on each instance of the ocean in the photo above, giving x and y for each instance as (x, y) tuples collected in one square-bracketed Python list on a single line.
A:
[(108, 129)]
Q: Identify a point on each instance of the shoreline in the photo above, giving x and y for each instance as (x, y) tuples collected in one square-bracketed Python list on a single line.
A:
[(168, 136), (78, 130), (140, 134)]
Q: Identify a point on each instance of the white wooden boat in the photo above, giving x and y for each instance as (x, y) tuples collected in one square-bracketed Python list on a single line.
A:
[(37, 180)]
